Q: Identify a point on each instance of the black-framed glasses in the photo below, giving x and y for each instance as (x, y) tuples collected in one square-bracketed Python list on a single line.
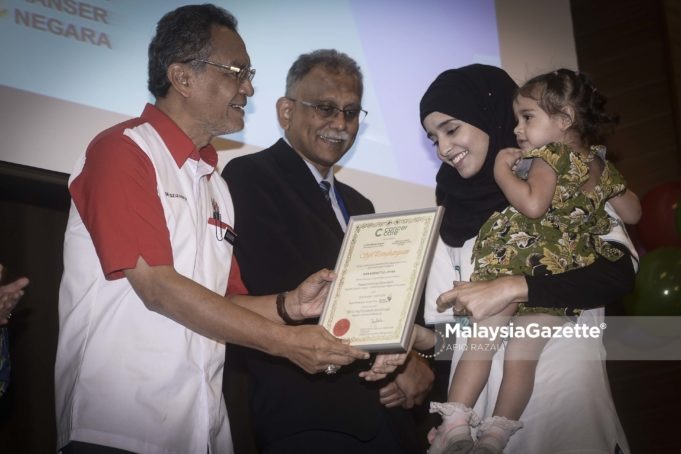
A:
[(329, 111), (241, 74)]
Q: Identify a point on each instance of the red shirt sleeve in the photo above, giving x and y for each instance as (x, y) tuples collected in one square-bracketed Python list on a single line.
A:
[(235, 285), (117, 199)]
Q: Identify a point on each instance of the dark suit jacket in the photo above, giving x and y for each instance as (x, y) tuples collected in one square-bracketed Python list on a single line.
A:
[(287, 231)]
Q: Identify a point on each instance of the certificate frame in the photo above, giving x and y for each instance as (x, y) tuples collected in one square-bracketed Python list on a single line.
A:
[(381, 271)]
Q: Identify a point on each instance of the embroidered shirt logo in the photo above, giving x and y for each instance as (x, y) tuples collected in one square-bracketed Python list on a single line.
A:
[(175, 196)]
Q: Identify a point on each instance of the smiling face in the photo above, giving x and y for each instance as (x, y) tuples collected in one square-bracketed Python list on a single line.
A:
[(219, 98), (535, 127), (459, 144), (321, 141)]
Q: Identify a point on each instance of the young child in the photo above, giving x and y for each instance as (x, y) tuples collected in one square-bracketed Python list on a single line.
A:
[(552, 226)]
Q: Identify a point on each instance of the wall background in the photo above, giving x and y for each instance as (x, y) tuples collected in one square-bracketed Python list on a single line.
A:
[(632, 50)]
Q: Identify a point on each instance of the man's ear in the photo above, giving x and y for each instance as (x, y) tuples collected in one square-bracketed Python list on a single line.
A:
[(180, 78), (284, 111), (567, 117)]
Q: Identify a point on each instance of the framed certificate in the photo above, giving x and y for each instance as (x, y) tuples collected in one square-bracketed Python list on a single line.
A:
[(381, 271)]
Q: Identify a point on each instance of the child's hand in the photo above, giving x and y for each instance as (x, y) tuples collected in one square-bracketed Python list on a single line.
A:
[(507, 158)]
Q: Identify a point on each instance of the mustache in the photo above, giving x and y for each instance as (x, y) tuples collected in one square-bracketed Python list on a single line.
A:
[(336, 135)]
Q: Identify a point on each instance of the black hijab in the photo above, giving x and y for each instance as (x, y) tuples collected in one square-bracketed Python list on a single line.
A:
[(482, 96)]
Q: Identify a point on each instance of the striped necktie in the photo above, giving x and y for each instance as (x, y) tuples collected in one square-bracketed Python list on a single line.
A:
[(325, 187)]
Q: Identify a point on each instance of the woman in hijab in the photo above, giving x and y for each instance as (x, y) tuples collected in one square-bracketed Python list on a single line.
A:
[(468, 114)]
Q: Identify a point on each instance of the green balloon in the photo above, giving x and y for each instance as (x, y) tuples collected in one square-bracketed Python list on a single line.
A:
[(658, 284)]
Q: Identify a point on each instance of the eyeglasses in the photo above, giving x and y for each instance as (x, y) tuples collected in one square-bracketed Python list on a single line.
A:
[(328, 111), (241, 74)]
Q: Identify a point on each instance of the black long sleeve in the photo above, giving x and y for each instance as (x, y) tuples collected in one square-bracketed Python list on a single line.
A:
[(598, 284)]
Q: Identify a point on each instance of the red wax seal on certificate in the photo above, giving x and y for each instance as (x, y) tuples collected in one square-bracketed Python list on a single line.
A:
[(341, 327)]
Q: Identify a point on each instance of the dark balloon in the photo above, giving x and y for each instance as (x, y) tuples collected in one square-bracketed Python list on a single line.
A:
[(658, 224), (678, 216)]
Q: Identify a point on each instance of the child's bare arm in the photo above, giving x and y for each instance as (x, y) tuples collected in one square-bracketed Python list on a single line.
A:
[(531, 197), (627, 206)]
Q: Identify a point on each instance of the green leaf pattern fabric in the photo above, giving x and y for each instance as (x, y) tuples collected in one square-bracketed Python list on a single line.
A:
[(566, 237)]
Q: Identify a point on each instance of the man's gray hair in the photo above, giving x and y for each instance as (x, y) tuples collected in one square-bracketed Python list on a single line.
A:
[(330, 59)]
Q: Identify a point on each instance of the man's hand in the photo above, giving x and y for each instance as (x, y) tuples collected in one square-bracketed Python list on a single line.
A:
[(10, 295), (483, 299), (411, 386), (313, 348), (308, 299)]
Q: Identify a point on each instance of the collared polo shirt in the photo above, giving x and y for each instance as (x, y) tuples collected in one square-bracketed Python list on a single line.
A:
[(125, 376)]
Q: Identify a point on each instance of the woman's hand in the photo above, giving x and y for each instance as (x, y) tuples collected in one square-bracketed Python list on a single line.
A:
[(483, 299), (384, 365), (422, 339)]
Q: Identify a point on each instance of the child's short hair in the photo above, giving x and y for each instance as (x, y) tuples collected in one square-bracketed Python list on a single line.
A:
[(561, 88)]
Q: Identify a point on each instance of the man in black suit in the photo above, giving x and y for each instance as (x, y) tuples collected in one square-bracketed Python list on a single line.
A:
[(288, 225)]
